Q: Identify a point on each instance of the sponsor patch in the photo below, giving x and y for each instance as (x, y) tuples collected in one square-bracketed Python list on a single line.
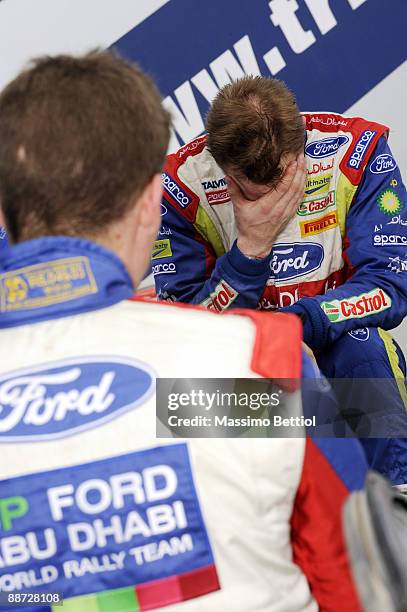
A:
[(389, 202), (319, 167), (325, 147), (46, 283), (164, 209), (310, 207), (355, 307), (397, 264), (221, 196), (328, 121), (164, 268), (318, 225), (68, 396), (294, 260), (382, 164), (360, 148), (161, 249), (165, 231), (221, 298), (199, 143), (3, 233), (214, 184), (122, 533), (318, 185), (177, 192), (389, 240), (362, 335)]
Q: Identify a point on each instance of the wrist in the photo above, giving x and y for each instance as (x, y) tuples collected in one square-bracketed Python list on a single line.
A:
[(252, 251)]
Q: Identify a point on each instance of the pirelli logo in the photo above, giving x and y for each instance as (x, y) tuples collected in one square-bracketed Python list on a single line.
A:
[(318, 225)]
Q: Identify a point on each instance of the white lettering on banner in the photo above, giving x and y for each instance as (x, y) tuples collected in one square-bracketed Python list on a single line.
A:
[(274, 60), (92, 565), (44, 574), (141, 487), (157, 520), (27, 397), (283, 15), (187, 120), (322, 14), (356, 3), (226, 69), (18, 549), (158, 550)]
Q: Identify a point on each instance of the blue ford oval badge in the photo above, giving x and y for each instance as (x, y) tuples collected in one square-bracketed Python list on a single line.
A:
[(62, 398), (325, 147)]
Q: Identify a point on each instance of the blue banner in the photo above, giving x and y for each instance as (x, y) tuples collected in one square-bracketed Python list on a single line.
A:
[(118, 522), (329, 53)]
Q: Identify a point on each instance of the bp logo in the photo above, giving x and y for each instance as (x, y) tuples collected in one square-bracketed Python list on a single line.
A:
[(389, 202), (331, 311)]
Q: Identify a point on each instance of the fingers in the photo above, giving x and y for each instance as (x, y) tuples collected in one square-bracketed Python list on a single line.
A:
[(286, 180), (297, 187), (235, 192)]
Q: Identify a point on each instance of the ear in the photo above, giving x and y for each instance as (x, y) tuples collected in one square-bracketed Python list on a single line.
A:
[(149, 203), (304, 122)]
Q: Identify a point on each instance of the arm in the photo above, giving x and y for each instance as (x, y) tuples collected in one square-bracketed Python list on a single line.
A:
[(332, 468), (238, 277), (376, 247), (192, 273)]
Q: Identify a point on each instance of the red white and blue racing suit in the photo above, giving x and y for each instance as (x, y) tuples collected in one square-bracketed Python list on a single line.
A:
[(341, 262), (97, 508)]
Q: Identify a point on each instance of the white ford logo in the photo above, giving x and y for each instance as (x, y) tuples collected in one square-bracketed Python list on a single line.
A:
[(59, 398), (292, 260)]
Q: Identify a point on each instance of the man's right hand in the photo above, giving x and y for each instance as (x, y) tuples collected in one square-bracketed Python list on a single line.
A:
[(259, 222)]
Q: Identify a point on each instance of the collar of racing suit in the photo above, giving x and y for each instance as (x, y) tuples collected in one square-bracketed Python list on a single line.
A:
[(58, 276)]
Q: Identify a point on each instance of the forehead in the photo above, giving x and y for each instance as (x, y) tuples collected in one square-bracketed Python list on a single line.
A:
[(251, 191)]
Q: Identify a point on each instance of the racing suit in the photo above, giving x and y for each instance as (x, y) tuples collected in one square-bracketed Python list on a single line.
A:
[(94, 506), (340, 263)]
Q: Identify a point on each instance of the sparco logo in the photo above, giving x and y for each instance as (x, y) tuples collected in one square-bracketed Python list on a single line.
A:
[(358, 306), (382, 164), (296, 259), (164, 268), (389, 240), (360, 149), (325, 147), (175, 190), (221, 298), (65, 397)]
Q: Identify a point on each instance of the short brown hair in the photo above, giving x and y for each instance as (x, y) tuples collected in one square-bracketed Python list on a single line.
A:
[(79, 137), (251, 124)]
